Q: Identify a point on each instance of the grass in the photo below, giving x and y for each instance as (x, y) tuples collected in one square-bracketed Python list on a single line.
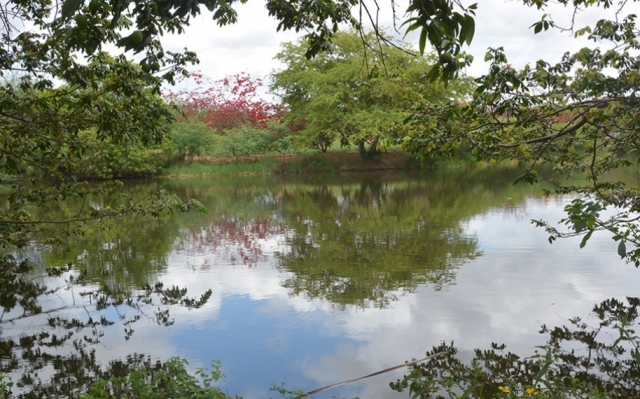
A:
[(330, 162), (260, 166)]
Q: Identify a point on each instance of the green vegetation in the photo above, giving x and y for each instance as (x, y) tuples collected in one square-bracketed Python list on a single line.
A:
[(168, 380), (191, 139), (227, 166), (332, 162), (578, 361), (353, 94)]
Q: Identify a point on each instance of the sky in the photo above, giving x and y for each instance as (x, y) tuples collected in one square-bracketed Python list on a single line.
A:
[(251, 44)]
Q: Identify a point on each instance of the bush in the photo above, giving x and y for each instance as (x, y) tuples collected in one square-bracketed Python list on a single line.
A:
[(278, 138), (107, 160), (191, 139), (578, 361), (171, 380), (245, 141), (249, 140)]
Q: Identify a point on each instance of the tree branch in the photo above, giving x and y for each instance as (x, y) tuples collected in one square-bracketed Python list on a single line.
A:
[(579, 122)]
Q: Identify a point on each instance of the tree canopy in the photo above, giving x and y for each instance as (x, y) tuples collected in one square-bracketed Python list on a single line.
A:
[(355, 93), (579, 114)]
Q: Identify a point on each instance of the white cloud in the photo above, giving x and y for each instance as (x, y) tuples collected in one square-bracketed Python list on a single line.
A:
[(248, 46)]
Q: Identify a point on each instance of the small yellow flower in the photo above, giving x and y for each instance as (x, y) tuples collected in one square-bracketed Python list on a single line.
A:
[(504, 389), (531, 391)]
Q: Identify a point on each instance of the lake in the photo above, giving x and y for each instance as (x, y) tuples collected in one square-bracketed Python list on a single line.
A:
[(317, 280)]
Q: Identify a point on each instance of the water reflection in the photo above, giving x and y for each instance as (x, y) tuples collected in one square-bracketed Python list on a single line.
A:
[(360, 245), (234, 240), (316, 282)]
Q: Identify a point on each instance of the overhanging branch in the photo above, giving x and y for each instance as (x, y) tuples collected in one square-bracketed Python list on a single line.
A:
[(578, 123)]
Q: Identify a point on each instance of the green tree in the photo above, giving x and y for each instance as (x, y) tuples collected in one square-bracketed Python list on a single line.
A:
[(579, 114), (108, 160), (192, 138), (119, 100), (245, 141), (355, 93), (277, 138)]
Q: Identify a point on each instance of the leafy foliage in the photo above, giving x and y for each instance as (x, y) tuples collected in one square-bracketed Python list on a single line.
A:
[(447, 30), (246, 140), (108, 160), (355, 94), (192, 138), (224, 104), (579, 114), (168, 380), (46, 139), (578, 361)]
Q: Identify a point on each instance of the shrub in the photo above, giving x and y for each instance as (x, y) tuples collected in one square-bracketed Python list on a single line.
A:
[(578, 361), (245, 141), (107, 160), (278, 138), (191, 139), (171, 380)]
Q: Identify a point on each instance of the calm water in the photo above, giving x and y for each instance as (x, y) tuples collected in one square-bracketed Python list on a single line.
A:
[(331, 278)]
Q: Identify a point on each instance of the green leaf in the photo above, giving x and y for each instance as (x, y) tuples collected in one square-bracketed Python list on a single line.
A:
[(433, 74), (537, 28), (579, 225), (585, 239), (423, 41), (622, 249), (69, 7), (470, 25), (412, 27)]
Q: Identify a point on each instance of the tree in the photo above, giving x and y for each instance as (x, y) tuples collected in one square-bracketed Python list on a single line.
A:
[(580, 114), (355, 93), (191, 139), (111, 95), (224, 104)]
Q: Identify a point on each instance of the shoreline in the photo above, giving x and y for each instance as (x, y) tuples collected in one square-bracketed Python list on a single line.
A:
[(296, 164)]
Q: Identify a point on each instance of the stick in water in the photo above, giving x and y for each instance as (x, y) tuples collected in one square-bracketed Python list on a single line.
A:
[(376, 373)]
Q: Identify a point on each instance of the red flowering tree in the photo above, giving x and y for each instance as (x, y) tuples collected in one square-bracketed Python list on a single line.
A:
[(226, 103)]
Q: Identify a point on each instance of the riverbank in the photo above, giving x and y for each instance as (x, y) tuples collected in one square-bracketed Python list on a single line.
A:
[(334, 162)]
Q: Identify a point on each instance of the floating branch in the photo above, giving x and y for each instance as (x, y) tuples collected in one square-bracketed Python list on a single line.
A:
[(376, 373)]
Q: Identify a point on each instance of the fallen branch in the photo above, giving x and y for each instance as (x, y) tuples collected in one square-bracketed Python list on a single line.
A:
[(407, 364)]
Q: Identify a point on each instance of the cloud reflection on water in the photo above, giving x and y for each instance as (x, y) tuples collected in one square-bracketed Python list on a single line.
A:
[(504, 296)]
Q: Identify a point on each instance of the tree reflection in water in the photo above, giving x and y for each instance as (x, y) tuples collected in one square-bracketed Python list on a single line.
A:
[(365, 245), (351, 241), (234, 239)]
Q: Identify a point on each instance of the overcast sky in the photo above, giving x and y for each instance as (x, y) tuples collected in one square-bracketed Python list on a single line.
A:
[(250, 45)]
